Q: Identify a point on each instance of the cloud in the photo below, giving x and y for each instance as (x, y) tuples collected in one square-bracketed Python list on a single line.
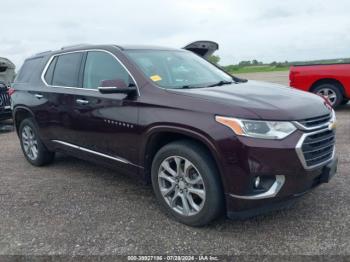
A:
[(256, 29)]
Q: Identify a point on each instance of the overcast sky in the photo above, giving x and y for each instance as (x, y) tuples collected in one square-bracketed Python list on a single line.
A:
[(266, 30)]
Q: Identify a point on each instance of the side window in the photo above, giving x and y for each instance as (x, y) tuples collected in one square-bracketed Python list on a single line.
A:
[(49, 72), (67, 68), (101, 66)]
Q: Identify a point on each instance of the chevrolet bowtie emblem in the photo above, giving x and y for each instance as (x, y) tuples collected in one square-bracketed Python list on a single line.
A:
[(332, 125)]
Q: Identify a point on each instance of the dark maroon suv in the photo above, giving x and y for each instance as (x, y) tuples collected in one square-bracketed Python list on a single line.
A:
[(209, 143)]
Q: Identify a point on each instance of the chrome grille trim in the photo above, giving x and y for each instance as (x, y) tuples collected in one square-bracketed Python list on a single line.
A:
[(324, 120), (301, 153), (321, 148)]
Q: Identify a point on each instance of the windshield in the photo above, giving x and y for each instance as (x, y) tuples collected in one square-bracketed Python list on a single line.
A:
[(178, 69)]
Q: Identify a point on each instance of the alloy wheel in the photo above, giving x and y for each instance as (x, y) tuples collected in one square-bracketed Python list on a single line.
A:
[(30, 143), (329, 94), (181, 185)]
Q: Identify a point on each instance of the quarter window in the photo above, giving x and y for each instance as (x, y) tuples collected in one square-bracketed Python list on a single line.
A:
[(67, 68), (101, 66), (26, 72)]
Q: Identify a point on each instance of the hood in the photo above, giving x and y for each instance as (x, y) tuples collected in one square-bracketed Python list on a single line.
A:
[(266, 100)]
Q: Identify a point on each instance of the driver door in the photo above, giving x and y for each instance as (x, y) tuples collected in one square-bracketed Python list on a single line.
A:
[(105, 124)]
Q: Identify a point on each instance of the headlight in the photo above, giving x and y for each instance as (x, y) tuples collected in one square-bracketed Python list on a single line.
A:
[(258, 129)]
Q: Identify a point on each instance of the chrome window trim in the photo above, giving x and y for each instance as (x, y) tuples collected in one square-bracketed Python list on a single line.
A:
[(300, 153), (272, 192), (115, 158), (83, 51)]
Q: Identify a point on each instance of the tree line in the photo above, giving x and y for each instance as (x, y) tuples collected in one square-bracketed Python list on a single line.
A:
[(215, 59)]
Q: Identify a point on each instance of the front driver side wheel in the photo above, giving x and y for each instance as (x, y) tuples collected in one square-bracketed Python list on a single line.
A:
[(187, 184)]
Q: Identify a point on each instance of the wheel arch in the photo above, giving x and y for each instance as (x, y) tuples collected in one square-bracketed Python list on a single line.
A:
[(328, 81), (19, 114), (160, 136)]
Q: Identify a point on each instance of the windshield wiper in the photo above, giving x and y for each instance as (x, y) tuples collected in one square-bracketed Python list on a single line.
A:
[(221, 83), (189, 86)]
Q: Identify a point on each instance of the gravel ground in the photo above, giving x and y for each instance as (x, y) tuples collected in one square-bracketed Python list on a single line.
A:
[(279, 77), (77, 208)]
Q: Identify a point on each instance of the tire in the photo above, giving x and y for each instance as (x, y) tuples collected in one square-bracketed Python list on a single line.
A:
[(344, 102), (333, 90), (201, 168), (33, 148)]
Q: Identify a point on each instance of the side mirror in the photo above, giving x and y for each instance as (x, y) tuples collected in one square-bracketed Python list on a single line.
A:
[(117, 86)]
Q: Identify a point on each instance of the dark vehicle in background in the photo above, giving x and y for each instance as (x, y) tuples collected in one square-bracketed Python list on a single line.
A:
[(5, 103), (7, 74), (209, 143), (329, 80)]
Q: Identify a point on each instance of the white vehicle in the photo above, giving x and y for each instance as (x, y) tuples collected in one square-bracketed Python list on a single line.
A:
[(7, 71)]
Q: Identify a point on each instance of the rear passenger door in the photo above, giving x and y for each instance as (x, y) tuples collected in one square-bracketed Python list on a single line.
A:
[(103, 126), (63, 78)]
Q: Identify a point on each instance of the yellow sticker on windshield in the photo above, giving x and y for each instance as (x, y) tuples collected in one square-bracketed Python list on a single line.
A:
[(156, 78)]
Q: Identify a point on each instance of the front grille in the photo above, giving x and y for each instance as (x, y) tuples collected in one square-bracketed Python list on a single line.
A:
[(4, 99), (316, 121), (318, 148)]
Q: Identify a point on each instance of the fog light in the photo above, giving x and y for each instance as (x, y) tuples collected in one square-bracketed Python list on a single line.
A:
[(257, 182)]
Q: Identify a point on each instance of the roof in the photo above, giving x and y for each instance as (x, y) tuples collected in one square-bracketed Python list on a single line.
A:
[(78, 47), (145, 47)]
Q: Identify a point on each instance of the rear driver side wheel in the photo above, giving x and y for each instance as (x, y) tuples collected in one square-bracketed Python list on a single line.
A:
[(187, 184), (33, 149)]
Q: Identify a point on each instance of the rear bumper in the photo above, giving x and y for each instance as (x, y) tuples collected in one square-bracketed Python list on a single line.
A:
[(239, 207)]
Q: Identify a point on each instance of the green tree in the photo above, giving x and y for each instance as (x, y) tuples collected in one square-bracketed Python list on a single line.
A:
[(215, 59), (244, 63)]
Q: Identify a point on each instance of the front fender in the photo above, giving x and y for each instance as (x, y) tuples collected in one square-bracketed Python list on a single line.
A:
[(190, 133)]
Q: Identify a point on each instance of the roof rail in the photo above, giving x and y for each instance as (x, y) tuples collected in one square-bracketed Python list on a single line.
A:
[(43, 53), (72, 46)]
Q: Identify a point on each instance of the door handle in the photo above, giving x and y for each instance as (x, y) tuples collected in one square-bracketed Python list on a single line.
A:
[(38, 96), (82, 101)]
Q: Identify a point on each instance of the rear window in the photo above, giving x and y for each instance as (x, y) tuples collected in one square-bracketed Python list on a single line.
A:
[(66, 72), (27, 69)]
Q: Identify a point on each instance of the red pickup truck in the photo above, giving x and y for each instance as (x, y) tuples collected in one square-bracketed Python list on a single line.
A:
[(329, 80)]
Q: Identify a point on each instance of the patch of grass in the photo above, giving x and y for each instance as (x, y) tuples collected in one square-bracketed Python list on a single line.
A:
[(234, 69)]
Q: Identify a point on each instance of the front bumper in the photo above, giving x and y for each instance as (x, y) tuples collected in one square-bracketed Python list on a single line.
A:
[(275, 161), (242, 208)]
